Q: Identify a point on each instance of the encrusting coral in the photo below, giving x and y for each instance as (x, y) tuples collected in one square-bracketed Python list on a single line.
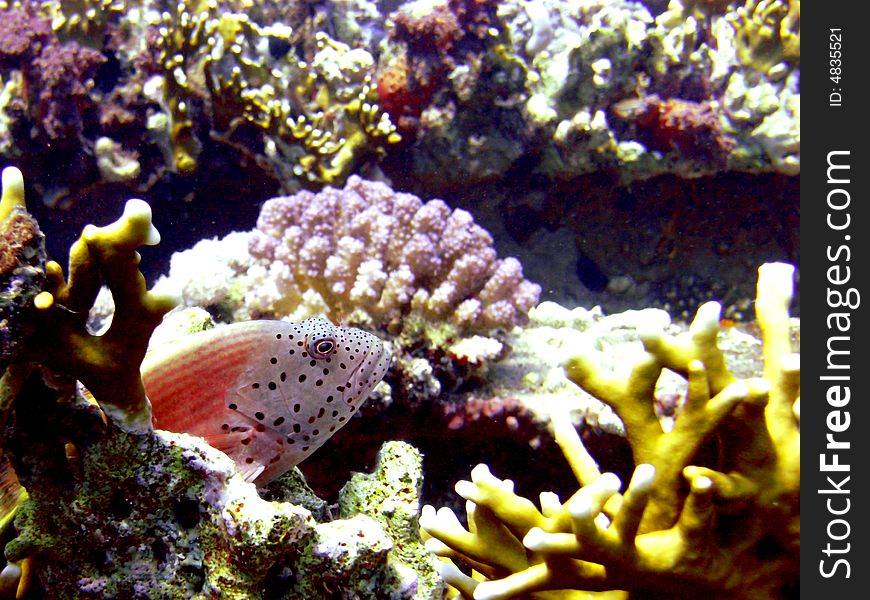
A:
[(712, 509)]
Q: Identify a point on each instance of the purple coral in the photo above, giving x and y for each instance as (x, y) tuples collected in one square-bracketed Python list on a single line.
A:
[(57, 77), (385, 252)]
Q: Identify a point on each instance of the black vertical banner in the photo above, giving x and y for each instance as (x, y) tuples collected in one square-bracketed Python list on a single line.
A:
[(835, 424)]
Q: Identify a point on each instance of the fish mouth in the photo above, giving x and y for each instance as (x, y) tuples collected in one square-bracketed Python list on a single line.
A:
[(378, 356)]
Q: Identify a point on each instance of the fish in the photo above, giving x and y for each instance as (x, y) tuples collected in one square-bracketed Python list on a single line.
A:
[(266, 393)]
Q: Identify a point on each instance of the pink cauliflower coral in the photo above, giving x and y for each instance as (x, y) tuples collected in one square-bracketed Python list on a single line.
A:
[(367, 247)]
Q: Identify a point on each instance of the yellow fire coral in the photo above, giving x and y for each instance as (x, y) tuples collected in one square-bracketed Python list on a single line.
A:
[(108, 365), (318, 117), (768, 32), (685, 525)]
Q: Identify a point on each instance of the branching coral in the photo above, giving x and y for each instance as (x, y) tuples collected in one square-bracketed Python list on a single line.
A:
[(711, 510), (368, 249), (108, 365), (768, 32), (319, 116)]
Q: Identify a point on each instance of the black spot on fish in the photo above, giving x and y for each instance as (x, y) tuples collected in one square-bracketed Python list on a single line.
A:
[(278, 421), (273, 360), (297, 427), (297, 407), (249, 460), (283, 376), (260, 416), (273, 386), (246, 441), (232, 405), (302, 378)]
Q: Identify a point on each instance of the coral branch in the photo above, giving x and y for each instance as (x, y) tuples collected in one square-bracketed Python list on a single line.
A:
[(107, 365), (712, 508)]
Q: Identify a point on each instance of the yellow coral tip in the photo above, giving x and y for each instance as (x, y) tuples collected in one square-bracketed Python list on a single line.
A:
[(535, 539), (24, 582), (138, 210), (13, 191), (702, 484), (43, 300), (53, 268), (643, 477)]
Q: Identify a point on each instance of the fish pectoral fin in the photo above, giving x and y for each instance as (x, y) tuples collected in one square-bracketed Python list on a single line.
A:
[(251, 450), (250, 472)]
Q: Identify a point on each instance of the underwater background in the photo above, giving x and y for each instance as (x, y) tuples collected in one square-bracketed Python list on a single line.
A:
[(566, 232)]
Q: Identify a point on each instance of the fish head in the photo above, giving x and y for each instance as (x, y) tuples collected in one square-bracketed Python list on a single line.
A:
[(359, 359)]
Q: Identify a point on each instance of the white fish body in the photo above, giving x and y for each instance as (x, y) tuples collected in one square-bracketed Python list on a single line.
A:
[(267, 393)]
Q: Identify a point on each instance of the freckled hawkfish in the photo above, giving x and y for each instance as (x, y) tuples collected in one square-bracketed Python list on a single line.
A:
[(267, 393)]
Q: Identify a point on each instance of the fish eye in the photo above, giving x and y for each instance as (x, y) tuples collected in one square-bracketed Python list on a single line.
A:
[(321, 347)]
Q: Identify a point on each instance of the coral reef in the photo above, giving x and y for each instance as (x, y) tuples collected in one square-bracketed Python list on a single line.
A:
[(108, 365), (165, 515), (768, 32), (490, 99), (22, 256), (56, 77), (369, 255), (306, 93), (390, 495), (310, 118), (711, 509), (155, 513)]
